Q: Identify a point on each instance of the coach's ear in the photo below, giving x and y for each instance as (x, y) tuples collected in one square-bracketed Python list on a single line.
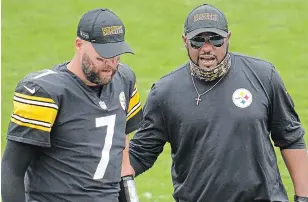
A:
[(185, 40)]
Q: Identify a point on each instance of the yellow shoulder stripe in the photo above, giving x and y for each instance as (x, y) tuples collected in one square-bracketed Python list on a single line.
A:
[(35, 98), (47, 129), (35, 112), (134, 111), (134, 100)]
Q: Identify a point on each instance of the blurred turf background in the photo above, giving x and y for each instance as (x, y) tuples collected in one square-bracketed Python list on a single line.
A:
[(38, 34)]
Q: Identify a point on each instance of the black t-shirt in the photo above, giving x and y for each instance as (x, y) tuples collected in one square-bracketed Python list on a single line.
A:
[(221, 149)]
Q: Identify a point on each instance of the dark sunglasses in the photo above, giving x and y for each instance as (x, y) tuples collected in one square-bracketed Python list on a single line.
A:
[(198, 41)]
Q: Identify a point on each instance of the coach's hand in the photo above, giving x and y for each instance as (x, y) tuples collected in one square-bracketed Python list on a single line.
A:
[(300, 198)]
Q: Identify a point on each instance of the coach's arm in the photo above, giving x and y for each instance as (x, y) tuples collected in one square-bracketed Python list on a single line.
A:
[(149, 140), (288, 134), (15, 161), (296, 161)]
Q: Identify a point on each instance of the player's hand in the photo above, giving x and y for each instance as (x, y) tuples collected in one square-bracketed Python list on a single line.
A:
[(127, 170), (300, 198)]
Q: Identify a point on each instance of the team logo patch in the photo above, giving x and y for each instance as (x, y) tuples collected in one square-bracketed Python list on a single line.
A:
[(122, 100), (102, 105), (242, 98), (112, 30)]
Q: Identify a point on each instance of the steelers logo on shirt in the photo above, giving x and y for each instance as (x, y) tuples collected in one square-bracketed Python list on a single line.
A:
[(242, 98)]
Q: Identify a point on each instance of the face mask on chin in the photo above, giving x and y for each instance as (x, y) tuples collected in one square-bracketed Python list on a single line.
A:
[(211, 74)]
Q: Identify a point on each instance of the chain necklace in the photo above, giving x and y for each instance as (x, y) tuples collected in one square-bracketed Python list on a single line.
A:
[(198, 99)]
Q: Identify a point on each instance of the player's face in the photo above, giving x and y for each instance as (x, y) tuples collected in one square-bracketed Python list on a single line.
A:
[(207, 50), (98, 70)]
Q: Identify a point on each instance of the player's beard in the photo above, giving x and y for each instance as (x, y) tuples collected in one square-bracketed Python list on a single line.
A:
[(92, 76)]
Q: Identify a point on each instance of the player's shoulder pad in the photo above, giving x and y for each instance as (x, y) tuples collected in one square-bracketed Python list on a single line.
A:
[(126, 73), (41, 84)]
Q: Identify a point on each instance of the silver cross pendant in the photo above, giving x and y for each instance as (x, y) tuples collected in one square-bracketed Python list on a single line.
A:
[(198, 100)]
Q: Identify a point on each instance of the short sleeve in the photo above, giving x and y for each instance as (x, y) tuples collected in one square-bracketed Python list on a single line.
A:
[(285, 124), (34, 113)]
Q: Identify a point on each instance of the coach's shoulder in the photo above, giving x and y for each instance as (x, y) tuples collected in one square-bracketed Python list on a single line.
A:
[(162, 86), (253, 61), (174, 76), (261, 68)]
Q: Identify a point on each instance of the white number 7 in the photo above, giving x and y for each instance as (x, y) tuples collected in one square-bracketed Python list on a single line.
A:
[(108, 121)]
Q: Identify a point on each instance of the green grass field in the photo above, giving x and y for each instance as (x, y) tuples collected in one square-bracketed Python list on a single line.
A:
[(37, 34)]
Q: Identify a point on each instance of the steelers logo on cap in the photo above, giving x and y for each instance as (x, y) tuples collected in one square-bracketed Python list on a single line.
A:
[(242, 98)]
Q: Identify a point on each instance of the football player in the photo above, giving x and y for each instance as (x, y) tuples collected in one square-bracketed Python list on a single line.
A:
[(68, 127)]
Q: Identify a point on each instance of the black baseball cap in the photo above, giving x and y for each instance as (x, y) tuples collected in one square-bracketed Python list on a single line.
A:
[(105, 30), (205, 18)]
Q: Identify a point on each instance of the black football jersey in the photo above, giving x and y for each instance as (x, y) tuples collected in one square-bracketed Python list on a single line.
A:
[(82, 134)]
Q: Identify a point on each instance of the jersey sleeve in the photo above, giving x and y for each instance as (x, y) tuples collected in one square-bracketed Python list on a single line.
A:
[(285, 124), (34, 113), (134, 110)]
